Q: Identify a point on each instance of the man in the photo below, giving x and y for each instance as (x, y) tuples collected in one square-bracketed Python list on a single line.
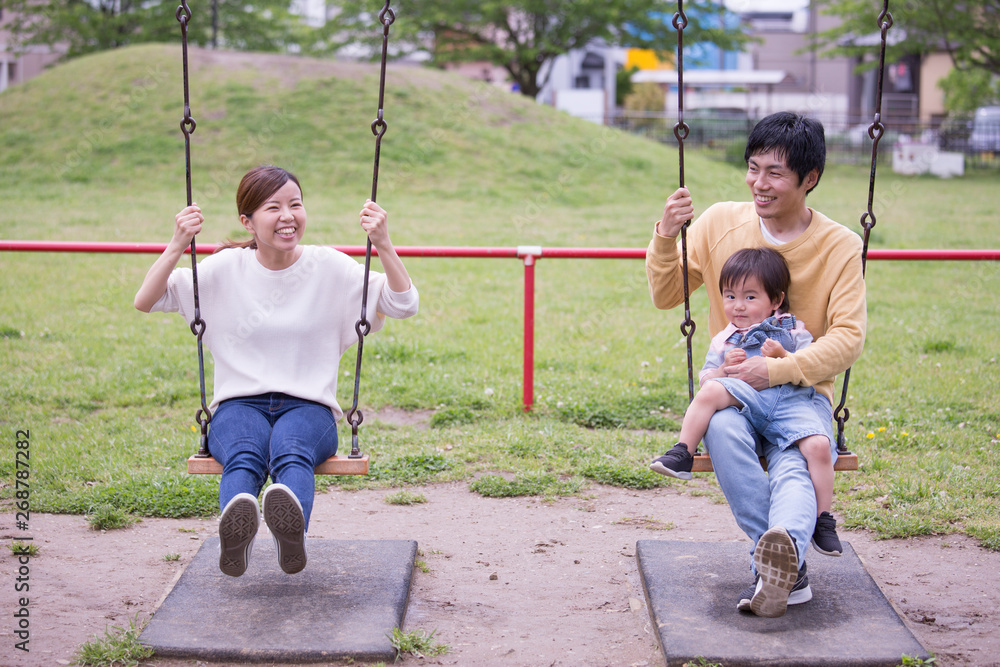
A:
[(785, 156)]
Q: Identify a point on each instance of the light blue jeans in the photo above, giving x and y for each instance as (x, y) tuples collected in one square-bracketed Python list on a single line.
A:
[(274, 434), (783, 495)]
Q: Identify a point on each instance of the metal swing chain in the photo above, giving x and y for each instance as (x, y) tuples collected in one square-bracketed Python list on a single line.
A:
[(875, 131), (188, 125), (681, 130), (363, 326)]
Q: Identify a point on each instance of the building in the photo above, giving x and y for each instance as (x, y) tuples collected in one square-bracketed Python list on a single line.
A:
[(778, 71), (582, 82), (14, 67)]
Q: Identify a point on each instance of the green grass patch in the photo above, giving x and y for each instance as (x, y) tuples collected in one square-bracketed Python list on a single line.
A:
[(405, 498), (538, 484), (168, 496), (410, 469), (453, 416), (118, 647), (647, 522), (626, 475), (634, 412), (418, 643), (109, 517), (18, 548)]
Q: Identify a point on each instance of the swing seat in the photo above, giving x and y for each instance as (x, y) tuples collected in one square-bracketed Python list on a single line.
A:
[(335, 465), (703, 462)]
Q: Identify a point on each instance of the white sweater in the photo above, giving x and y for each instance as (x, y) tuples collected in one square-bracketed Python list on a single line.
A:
[(282, 331)]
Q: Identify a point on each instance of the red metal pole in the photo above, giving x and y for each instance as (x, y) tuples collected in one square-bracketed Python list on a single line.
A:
[(208, 249), (473, 251), (528, 254), (946, 255), (87, 246), (529, 331)]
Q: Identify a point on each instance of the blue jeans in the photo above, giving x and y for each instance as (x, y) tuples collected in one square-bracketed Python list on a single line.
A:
[(783, 414), (274, 434), (783, 495)]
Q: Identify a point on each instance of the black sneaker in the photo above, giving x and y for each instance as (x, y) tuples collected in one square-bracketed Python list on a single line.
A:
[(825, 538), (675, 463), (801, 592)]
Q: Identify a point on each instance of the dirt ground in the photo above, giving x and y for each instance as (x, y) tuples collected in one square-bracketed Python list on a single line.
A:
[(519, 581)]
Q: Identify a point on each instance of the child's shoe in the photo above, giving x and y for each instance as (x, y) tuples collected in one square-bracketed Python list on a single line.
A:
[(675, 463), (825, 538)]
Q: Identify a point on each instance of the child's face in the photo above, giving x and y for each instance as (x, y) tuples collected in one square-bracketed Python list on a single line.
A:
[(747, 304)]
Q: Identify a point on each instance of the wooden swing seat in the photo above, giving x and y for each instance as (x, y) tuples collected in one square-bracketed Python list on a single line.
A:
[(703, 462), (335, 465)]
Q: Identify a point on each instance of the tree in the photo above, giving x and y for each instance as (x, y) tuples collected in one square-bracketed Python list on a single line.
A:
[(87, 26), (968, 30), (524, 36)]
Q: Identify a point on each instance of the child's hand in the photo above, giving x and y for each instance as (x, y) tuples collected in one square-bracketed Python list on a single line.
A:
[(772, 348), (734, 356), (375, 222), (187, 223)]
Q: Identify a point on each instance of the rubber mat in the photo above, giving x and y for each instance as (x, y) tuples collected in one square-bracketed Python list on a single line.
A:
[(692, 589), (343, 605)]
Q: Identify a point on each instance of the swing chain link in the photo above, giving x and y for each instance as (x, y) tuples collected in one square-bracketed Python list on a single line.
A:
[(203, 416), (363, 326), (681, 129), (875, 132)]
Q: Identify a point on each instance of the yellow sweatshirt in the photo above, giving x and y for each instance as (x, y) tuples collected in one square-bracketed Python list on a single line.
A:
[(827, 290)]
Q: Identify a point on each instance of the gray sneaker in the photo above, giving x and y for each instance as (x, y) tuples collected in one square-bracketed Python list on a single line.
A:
[(777, 563), (237, 530), (801, 592), (283, 515)]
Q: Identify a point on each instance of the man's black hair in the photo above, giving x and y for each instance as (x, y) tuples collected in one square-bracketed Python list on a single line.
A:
[(798, 140)]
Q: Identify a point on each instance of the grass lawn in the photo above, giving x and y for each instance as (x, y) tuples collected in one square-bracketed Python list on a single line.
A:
[(109, 394)]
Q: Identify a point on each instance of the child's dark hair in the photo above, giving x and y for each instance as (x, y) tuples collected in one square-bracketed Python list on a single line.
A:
[(764, 264), (798, 140)]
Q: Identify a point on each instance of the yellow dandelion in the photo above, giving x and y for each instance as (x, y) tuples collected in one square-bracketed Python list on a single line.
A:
[(869, 435), (881, 429), (193, 428), (905, 433)]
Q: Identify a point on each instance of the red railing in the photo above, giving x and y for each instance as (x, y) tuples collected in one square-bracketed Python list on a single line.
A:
[(529, 255)]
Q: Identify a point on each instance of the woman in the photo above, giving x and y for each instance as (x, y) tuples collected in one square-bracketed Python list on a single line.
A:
[(278, 317)]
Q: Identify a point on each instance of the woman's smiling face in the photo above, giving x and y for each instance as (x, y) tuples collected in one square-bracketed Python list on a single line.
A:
[(278, 225)]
